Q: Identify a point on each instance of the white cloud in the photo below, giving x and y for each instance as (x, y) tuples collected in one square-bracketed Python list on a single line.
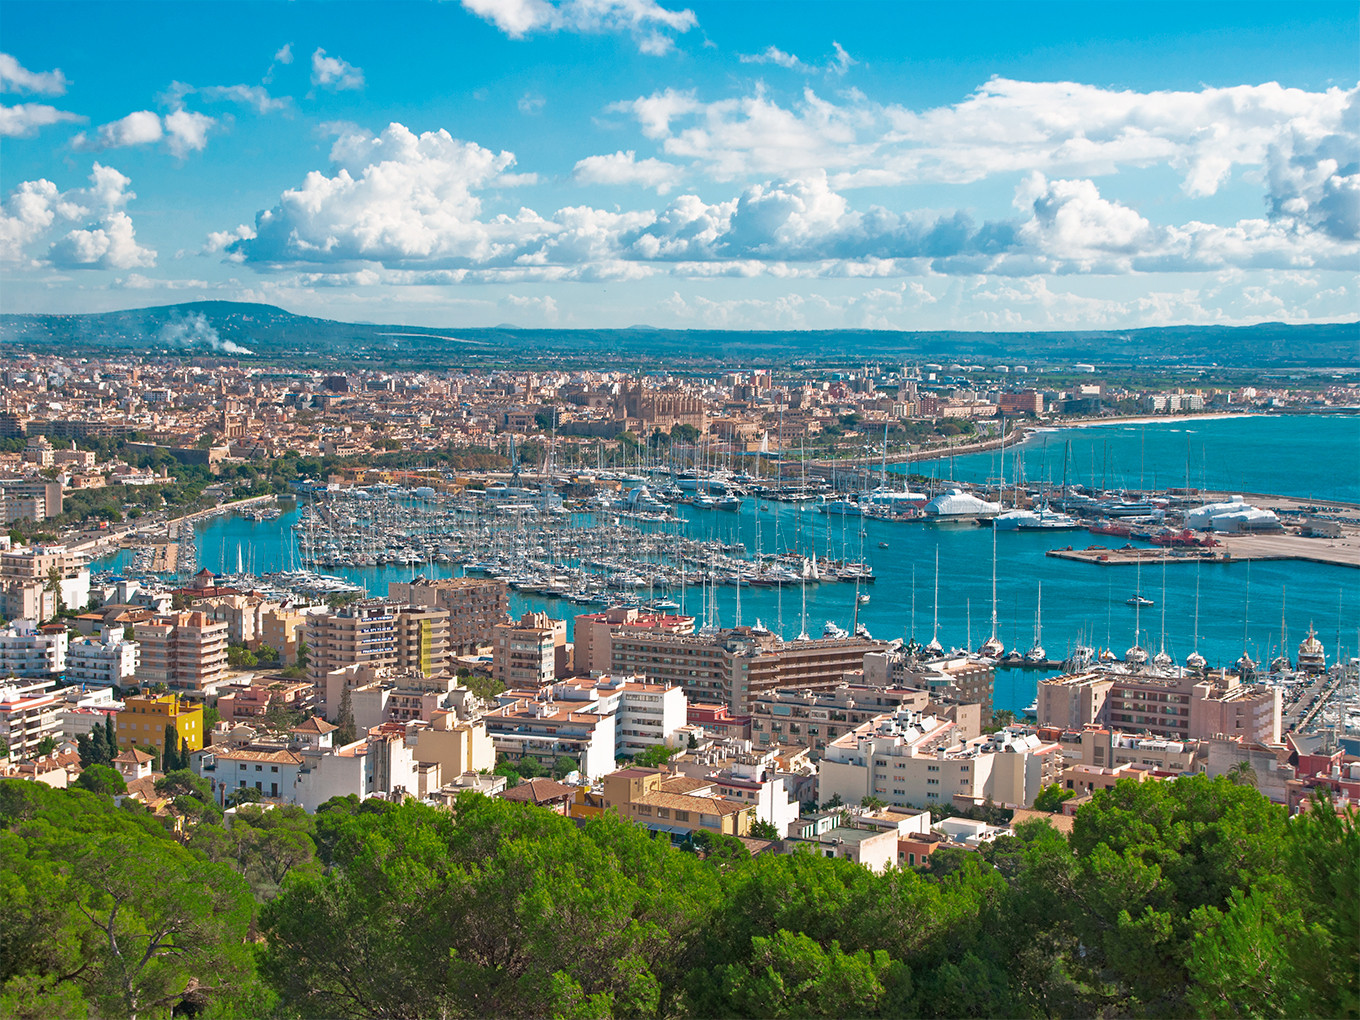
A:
[(187, 132), (255, 96), (395, 197), (838, 63), (142, 127), (284, 54), (334, 73), (407, 202), (621, 168), (105, 240), (649, 23), (182, 131), (14, 77), (531, 105), (1010, 127), (24, 119), (774, 55)]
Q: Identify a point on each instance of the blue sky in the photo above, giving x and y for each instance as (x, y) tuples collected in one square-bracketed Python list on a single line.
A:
[(743, 165)]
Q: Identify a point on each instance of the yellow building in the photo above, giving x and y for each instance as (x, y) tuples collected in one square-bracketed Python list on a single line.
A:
[(142, 721), (673, 804)]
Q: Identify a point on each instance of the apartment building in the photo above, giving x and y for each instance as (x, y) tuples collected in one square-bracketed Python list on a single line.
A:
[(28, 650), (282, 630), (548, 731), (675, 805), (26, 572), (41, 498), (911, 758), (29, 713), (184, 650), (645, 715), (1105, 747), (475, 606), (531, 652), (814, 718), (108, 659), (243, 615), (1179, 705), (143, 719), (948, 679), (457, 746), (592, 633), (255, 699), (732, 667), (376, 632)]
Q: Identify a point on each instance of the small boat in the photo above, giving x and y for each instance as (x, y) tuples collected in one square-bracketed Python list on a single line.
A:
[(863, 599), (883, 545), (1138, 600)]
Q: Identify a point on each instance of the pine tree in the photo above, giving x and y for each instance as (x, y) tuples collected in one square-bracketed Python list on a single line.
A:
[(110, 736), (100, 752), (83, 749), (170, 759), (346, 734), (184, 761)]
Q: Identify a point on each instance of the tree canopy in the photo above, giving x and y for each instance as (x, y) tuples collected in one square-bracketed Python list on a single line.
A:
[(1191, 898)]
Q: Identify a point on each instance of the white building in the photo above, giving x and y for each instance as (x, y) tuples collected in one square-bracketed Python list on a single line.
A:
[(310, 771), (108, 659), (29, 712), (645, 714), (753, 779), (83, 708), (910, 758), (30, 651), (1236, 515)]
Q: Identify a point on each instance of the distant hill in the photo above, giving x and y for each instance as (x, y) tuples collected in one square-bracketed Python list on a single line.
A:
[(266, 332)]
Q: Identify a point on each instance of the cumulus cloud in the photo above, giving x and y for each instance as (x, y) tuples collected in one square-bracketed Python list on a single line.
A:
[(395, 197), (23, 120), (105, 238), (14, 77), (1005, 127), (335, 74), (414, 203), (621, 168), (284, 54), (651, 25), (182, 131)]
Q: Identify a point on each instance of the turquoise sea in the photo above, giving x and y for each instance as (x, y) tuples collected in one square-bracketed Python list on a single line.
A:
[(1309, 456), (1079, 602)]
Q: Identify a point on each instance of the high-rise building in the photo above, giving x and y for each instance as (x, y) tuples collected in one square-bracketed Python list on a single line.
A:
[(475, 606), (187, 650), (530, 652), (732, 667), (592, 634), (377, 632)]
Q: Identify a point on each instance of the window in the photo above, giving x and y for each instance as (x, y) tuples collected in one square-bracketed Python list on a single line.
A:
[(273, 768)]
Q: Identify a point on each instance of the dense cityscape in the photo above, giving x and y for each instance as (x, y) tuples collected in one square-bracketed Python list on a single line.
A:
[(920, 618)]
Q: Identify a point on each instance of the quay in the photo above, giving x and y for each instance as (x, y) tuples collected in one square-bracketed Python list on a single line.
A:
[(1340, 552)]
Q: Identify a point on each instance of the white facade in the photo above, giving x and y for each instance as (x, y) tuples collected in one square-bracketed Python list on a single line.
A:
[(911, 759), (26, 651), (753, 780), (107, 659), (28, 714)]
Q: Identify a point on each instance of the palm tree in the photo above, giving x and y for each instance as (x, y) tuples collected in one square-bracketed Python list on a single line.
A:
[(1242, 774)]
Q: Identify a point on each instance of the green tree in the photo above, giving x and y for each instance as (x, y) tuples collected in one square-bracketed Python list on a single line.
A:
[(304, 655), (344, 720), (655, 756), (1243, 774), (1051, 798), (761, 829), (170, 755), (102, 780), (46, 745)]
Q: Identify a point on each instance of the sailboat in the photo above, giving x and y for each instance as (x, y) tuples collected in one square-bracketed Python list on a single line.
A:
[(935, 648), (992, 648), (1036, 654), (1136, 655), (1280, 664), (1246, 665), (1161, 659), (1194, 660)]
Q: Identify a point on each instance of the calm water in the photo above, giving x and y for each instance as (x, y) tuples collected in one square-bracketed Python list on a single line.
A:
[(1079, 601), (1314, 456)]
